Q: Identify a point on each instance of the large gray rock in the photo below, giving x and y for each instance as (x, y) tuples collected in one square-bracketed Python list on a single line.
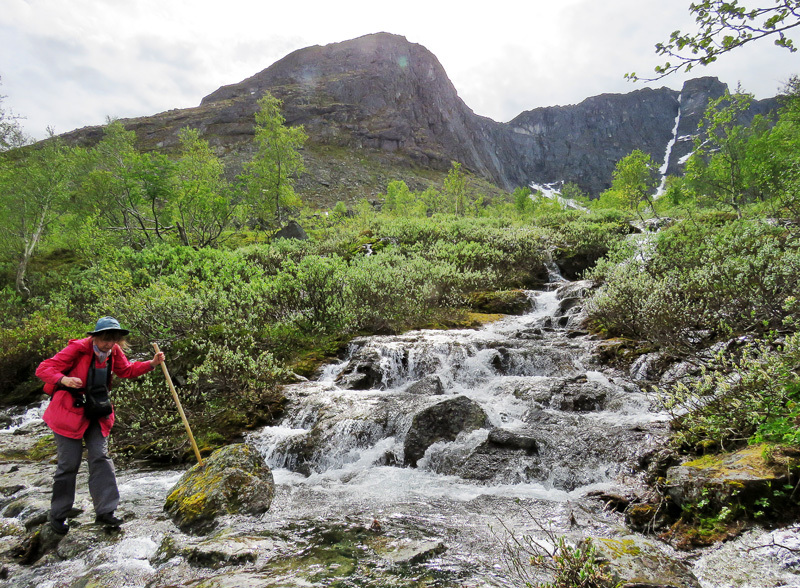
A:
[(233, 480), (513, 439), (363, 373), (292, 230), (441, 422)]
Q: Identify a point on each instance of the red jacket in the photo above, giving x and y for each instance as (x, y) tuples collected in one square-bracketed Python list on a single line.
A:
[(74, 360)]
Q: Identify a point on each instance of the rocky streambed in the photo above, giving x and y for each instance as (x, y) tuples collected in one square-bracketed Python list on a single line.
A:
[(423, 459)]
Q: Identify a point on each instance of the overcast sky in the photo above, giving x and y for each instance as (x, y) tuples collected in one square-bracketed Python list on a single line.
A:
[(72, 63)]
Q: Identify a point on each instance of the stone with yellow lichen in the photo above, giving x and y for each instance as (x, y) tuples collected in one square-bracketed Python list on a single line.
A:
[(634, 561), (233, 480), (742, 477)]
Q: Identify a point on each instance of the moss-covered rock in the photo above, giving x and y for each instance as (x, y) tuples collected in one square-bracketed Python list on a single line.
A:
[(233, 480), (634, 561), (722, 480)]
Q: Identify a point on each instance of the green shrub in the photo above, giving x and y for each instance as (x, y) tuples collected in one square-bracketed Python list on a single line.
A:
[(24, 346), (699, 275), (752, 395)]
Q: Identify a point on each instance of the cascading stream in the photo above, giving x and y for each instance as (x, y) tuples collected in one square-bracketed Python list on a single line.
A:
[(553, 421)]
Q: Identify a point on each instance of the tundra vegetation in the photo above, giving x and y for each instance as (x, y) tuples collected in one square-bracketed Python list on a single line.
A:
[(187, 256)]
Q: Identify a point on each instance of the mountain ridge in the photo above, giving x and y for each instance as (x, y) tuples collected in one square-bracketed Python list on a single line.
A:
[(391, 101)]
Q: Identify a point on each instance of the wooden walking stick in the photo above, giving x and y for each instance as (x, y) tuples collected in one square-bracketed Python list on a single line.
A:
[(180, 408)]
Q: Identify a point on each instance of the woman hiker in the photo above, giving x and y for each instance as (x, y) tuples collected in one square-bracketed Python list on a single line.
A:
[(78, 378)]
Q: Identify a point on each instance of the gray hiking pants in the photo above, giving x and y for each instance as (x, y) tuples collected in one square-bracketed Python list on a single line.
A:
[(102, 480)]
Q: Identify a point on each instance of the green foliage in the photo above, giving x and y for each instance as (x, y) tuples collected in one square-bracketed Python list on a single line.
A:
[(24, 345), (268, 177), (574, 567), (567, 565), (201, 207), (698, 279), (722, 26), (11, 133), (35, 190), (402, 202), (455, 189), (634, 181), (126, 187), (522, 201), (752, 393), (727, 163)]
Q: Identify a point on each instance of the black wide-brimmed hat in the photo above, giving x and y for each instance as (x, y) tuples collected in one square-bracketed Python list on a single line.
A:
[(108, 324)]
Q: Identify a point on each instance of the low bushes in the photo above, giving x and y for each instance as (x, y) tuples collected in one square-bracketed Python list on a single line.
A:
[(699, 280)]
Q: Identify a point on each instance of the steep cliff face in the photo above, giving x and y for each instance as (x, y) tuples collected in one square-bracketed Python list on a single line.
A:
[(391, 100), (582, 143)]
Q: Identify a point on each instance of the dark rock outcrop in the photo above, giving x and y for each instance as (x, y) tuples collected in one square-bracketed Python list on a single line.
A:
[(292, 230), (362, 374), (441, 422)]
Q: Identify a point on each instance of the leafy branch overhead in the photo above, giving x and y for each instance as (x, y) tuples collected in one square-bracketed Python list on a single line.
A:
[(721, 27)]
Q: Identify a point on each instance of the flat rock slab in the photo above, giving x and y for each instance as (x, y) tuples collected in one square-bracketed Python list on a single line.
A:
[(408, 551)]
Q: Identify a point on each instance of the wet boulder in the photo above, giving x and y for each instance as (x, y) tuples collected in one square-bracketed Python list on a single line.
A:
[(442, 421), (363, 373), (213, 552), (36, 544), (512, 439), (233, 480), (406, 551), (579, 395), (635, 561), (427, 386), (678, 372), (649, 367)]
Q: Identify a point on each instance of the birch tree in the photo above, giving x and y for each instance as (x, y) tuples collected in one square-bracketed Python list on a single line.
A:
[(35, 190), (269, 177)]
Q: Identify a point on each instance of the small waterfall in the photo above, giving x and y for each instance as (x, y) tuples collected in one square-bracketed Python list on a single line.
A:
[(668, 154), (554, 276), (30, 415)]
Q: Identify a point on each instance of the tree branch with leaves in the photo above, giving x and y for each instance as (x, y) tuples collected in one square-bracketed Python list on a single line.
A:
[(722, 26)]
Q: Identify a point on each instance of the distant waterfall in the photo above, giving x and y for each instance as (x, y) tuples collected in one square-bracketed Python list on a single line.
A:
[(670, 145)]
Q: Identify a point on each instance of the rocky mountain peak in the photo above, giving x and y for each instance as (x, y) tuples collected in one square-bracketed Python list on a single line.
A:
[(382, 95)]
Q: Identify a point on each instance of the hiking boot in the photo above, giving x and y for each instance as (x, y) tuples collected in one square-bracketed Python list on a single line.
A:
[(109, 520), (60, 526)]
